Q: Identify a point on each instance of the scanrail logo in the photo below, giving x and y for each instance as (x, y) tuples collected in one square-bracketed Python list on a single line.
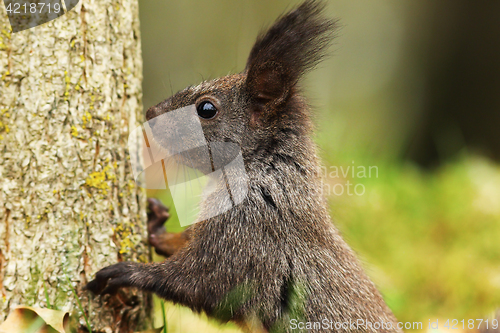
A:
[(26, 14), (205, 178)]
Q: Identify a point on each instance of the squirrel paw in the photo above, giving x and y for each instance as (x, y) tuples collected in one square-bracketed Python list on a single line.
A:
[(109, 279), (157, 216)]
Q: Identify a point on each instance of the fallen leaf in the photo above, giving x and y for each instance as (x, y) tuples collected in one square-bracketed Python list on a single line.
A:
[(25, 319)]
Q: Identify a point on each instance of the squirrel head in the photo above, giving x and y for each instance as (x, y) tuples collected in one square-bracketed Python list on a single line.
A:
[(262, 105)]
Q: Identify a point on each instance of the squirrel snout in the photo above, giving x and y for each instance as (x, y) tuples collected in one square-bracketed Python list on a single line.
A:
[(152, 112)]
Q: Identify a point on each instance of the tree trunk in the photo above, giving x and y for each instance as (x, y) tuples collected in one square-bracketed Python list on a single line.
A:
[(70, 93)]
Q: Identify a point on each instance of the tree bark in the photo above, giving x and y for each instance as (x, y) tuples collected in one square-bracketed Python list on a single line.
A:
[(70, 93)]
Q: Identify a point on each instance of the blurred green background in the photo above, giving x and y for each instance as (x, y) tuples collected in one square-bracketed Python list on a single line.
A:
[(412, 88)]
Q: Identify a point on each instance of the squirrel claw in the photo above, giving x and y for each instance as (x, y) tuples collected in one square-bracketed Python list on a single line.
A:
[(109, 279)]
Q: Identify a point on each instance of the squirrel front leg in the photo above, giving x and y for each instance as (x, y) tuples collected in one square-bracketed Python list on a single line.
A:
[(175, 280), (165, 243), (152, 277), (167, 279)]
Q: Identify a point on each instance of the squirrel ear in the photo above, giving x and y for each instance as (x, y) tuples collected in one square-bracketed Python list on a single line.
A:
[(293, 45), (267, 83)]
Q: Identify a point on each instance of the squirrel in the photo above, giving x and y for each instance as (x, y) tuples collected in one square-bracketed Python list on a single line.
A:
[(274, 262)]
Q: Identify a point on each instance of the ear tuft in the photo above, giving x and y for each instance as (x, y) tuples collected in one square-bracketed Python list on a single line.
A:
[(292, 46)]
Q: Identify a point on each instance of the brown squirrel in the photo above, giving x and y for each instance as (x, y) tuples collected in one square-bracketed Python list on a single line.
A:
[(274, 262)]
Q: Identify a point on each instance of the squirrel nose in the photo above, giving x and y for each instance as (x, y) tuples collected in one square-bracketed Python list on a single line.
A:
[(152, 112)]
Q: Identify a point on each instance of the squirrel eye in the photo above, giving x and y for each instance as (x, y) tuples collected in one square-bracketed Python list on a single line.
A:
[(206, 110)]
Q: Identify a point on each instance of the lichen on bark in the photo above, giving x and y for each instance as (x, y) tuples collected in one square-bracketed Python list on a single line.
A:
[(70, 93)]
